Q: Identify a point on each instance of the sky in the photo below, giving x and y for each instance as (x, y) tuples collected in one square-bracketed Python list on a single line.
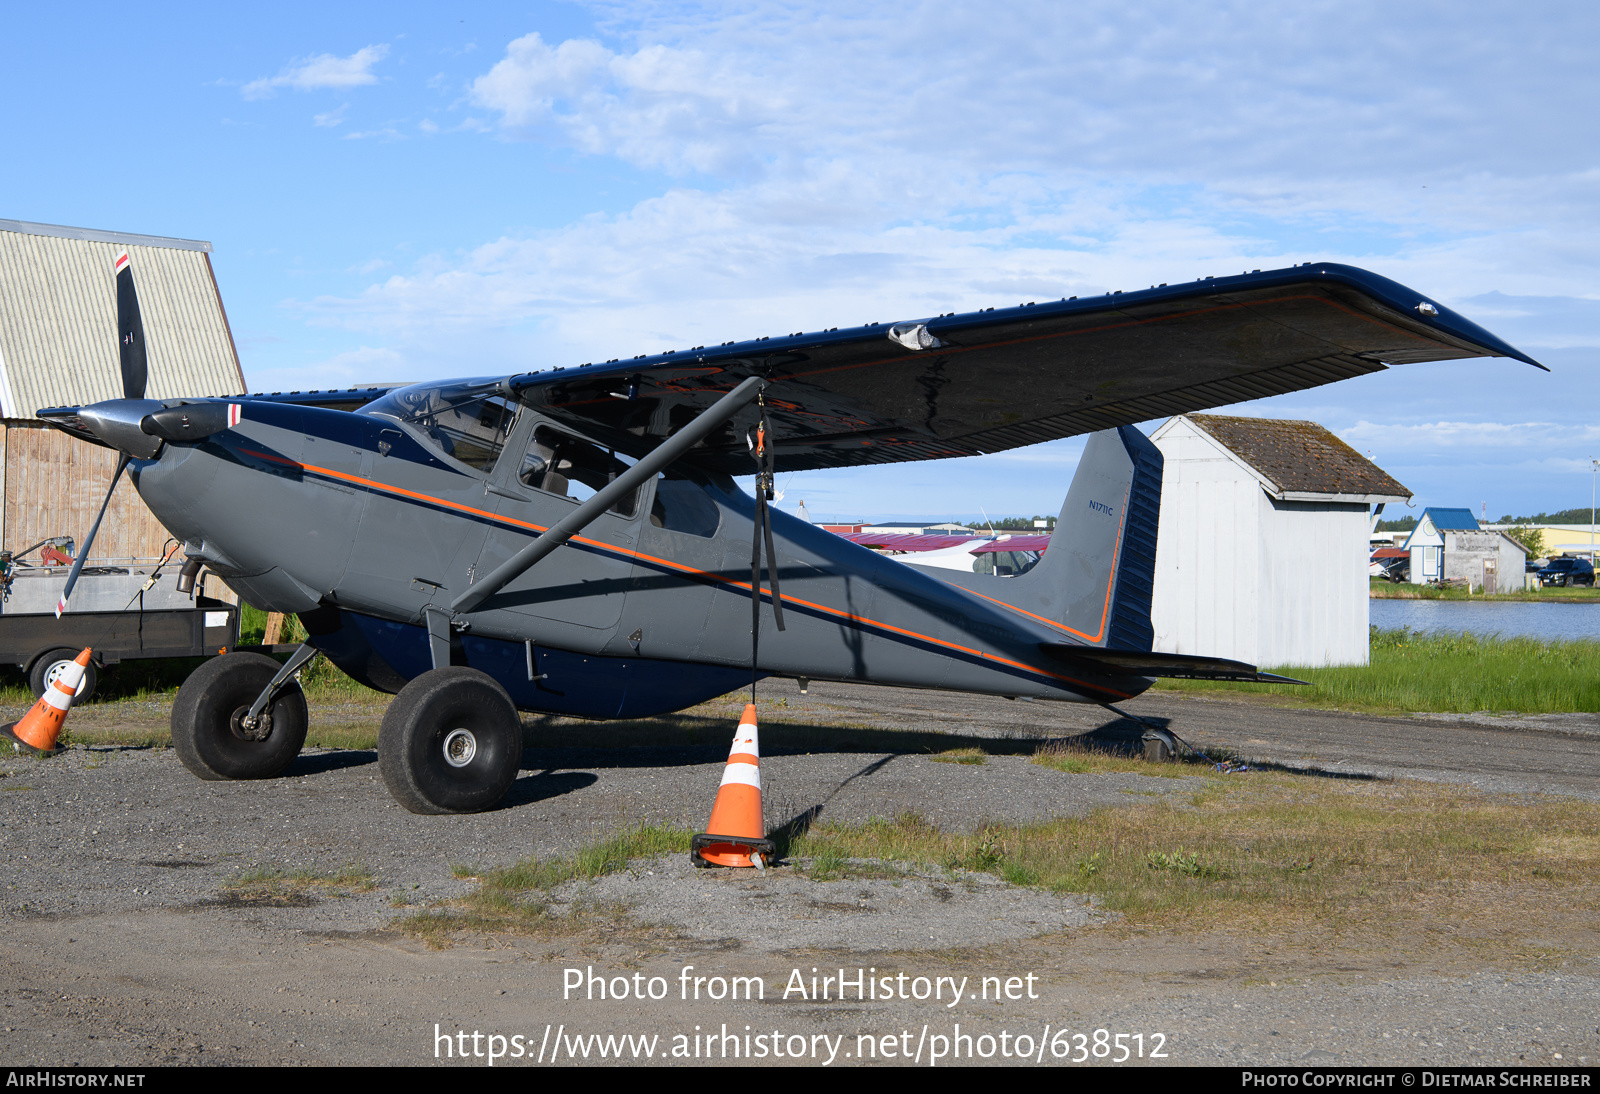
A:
[(407, 191)]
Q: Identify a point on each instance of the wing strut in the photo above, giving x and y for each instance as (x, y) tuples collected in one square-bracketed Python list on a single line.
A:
[(640, 473)]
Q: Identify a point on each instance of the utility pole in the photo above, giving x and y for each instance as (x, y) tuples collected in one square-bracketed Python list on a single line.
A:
[(1594, 469)]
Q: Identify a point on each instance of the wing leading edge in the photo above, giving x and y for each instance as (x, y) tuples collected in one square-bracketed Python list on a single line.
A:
[(987, 381)]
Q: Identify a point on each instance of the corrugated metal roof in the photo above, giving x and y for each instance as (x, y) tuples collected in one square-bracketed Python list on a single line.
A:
[(58, 318), (1451, 520), (1299, 457)]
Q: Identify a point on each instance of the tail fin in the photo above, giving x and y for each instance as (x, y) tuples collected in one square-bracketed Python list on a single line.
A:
[(1095, 580)]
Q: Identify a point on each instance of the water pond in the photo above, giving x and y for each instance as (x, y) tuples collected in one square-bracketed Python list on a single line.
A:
[(1505, 618)]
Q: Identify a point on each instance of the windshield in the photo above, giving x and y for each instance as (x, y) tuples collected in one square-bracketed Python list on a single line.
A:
[(467, 420)]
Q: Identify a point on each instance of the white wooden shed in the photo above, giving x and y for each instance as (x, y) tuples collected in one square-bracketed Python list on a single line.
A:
[(1262, 550)]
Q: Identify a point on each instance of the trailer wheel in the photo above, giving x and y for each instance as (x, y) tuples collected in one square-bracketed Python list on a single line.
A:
[(451, 742), (48, 668), (207, 717)]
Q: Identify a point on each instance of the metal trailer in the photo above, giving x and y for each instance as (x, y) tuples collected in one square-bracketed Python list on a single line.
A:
[(113, 614)]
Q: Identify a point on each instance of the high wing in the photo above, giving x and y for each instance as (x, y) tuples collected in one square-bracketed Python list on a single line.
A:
[(987, 381)]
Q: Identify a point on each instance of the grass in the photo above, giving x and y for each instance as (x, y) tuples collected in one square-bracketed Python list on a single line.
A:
[(1076, 757), (1380, 589), (516, 899), (282, 887), (967, 756), (1452, 673), (1274, 850)]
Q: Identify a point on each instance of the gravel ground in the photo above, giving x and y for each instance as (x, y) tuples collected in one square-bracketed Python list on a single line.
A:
[(125, 945)]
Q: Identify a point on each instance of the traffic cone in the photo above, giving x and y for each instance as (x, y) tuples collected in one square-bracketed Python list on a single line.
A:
[(39, 728), (733, 836)]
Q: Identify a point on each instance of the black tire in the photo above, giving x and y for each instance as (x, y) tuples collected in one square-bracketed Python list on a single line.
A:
[(1156, 751), (50, 665), (451, 742), (205, 719)]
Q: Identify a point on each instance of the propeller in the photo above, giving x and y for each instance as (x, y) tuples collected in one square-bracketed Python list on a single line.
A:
[(761, 448), (135, 374), (130, 332)]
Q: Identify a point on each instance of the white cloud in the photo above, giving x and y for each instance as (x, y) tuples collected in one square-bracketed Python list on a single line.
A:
[(658, 107), (1490, 436), (320, 72), (834, 165)]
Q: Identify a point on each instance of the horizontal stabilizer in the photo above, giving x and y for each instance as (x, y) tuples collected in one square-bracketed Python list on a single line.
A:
[(1180, 666)]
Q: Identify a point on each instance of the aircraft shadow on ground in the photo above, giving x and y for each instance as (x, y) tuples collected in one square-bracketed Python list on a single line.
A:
[(682, 740), (545, 785), (1124, 736), (318, 763)]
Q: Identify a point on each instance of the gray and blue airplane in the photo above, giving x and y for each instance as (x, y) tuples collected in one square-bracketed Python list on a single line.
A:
[(572, 541)]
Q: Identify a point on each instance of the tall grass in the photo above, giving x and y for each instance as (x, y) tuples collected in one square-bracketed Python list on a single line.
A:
[(1451, 673)]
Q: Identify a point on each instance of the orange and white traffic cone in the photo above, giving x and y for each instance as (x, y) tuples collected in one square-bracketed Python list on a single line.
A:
[(734, 835), (39, 728)]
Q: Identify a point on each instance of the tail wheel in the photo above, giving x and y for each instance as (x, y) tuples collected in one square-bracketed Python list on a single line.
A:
[(208, 730), (451, 742)]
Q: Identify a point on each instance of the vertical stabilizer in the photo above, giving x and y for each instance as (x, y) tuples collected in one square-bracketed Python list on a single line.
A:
[(1095, 580)]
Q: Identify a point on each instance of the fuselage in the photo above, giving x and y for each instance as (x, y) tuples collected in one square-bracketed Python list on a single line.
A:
[(365, 522)]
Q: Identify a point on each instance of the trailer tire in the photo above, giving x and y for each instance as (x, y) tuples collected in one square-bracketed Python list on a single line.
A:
[(206, 730), (49, 666), (451, 742)]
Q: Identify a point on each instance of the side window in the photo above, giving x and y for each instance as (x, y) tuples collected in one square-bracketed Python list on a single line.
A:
[(559, 463), (681, 505)]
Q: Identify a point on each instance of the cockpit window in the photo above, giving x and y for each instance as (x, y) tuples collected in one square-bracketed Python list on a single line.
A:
[(467, 421)]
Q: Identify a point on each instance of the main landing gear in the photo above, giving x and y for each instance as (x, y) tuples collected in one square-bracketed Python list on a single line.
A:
[(451, 742), (218, 730)]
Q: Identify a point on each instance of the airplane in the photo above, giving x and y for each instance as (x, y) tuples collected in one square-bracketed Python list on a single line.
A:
[(571, 540)]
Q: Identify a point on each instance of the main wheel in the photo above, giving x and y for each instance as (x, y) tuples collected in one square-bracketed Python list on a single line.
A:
[(451, 742), (207, 720), (48, 669)]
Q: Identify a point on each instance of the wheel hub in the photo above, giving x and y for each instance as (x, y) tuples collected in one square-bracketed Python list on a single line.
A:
[(459, 747), (258, 732)]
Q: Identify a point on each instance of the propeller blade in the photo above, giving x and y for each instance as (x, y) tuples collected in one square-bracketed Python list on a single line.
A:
[(83, 552), (130, 332)]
